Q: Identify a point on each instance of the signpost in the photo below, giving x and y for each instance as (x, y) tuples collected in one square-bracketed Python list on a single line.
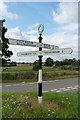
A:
[(53, 50)]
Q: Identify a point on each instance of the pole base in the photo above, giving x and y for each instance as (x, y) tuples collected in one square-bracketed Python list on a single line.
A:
[(40, 100)]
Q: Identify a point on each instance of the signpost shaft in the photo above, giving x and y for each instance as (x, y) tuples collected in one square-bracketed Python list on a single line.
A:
[(40, 73)]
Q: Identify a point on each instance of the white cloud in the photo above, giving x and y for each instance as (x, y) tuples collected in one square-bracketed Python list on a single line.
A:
[(33, 29), (15, 33), (32, 32), (5, 13), (67, 12), (70, 27), (67, 33), (34, 26)]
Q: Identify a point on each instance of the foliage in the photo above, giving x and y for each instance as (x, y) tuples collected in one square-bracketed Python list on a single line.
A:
[(36, 65), (25, 105), (5, 47), (9, 64), (49, 62)]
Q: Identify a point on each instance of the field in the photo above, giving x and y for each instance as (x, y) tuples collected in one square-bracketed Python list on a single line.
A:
[(25, 73), (25, 105)]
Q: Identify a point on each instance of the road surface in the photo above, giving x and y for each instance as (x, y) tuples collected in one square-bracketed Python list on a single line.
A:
[(64, 85)]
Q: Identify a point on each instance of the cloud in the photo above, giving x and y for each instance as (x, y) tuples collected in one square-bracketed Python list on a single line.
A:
[(14, 33), (33, 29), (70, 27), (5, 13), (33, 26), (66, 12), (32, 32), (67, 33)]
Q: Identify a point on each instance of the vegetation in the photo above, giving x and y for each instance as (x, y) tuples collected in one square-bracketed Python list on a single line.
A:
[(36, 65), (25, 105), (6, 54), (49, 62), (29, 72), (25, 73)]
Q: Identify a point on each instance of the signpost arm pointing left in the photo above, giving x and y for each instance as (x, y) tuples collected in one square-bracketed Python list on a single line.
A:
[(31, 43)]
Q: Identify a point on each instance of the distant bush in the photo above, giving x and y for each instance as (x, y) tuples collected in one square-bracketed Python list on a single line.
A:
[(10, 64), (13, 64), (49, 62), (69, 67), (36, 65)]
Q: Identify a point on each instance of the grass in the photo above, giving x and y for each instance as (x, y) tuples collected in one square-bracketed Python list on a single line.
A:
[(25, 105), (25, 73)]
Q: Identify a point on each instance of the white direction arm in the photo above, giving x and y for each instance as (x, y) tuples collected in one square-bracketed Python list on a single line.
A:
[(44, 52), (31, 44)]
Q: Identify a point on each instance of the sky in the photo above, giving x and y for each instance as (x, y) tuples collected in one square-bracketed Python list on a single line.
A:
[(60, 20)]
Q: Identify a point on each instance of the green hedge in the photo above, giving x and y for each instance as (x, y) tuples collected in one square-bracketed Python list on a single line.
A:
[(18, 76)]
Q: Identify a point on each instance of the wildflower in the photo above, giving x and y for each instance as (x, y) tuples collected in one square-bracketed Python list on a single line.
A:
[(27, 97), (49, 110), (53, 112), (48, 114)]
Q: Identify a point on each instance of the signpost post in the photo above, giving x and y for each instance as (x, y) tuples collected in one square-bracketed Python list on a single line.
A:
[(40, 30)]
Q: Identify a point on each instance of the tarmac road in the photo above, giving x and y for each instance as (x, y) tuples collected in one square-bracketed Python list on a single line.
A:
[(64, 85)]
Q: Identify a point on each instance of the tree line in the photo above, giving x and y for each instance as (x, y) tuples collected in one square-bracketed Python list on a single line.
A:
[(64, 64)]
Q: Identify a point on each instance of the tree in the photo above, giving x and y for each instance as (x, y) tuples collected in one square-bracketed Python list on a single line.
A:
[(49, 62), (6, 54)]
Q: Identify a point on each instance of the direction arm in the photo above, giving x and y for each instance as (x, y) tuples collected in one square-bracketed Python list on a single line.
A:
[(31, 44), (46, 52)]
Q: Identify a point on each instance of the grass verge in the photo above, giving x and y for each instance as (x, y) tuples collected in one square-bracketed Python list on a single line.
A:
[(25, 105)]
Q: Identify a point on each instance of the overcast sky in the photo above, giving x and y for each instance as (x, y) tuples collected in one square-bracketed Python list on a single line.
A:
[(60, 20)]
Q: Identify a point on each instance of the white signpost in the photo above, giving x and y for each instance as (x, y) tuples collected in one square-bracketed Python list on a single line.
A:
[(44, 52), (53, 50), (31, 44)]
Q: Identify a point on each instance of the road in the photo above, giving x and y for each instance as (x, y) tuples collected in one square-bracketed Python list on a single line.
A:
[(64, 85)]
